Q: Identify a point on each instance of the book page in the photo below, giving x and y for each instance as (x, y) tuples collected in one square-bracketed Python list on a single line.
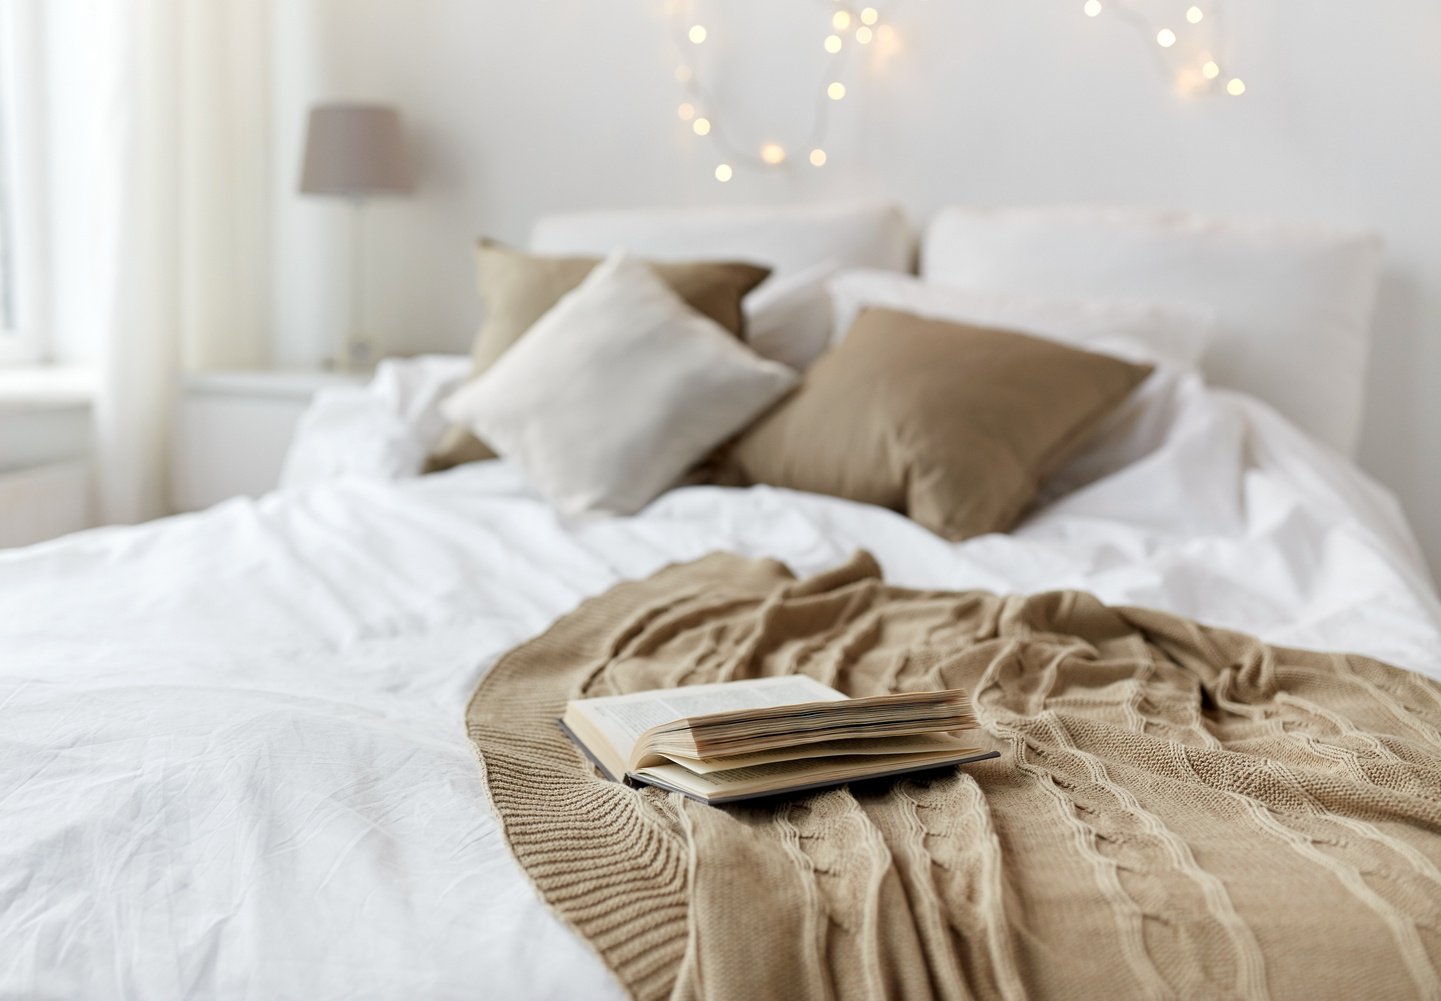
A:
[(926, 743), (623, 718), (781, 775)]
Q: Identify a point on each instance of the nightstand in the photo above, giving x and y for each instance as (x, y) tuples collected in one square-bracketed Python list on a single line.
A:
[(45, 446), (233, 429)]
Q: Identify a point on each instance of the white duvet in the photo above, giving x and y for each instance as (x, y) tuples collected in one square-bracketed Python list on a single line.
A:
[(233, 761)]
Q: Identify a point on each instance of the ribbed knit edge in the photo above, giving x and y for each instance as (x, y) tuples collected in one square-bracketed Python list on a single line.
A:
[(613, 873)]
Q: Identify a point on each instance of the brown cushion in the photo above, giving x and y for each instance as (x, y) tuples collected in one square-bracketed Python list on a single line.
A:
[(951, 424), (519, 288)]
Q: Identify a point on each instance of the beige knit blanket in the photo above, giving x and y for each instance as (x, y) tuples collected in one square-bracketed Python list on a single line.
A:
[(1178, 812)]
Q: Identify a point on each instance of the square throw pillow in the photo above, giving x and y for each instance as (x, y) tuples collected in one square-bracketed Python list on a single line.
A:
[(519, 288), (615, 392), (953, 425)]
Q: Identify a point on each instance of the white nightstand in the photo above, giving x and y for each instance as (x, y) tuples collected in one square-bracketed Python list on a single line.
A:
[(233, 429), (45, 444)]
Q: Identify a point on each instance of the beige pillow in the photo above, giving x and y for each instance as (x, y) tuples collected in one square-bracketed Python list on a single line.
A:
[(519, 288), (953, 425)]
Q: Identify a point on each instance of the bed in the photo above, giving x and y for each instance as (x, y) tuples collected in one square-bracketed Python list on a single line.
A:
[(235, 764)]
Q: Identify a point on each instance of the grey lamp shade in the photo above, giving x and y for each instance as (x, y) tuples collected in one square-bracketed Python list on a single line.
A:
[(354, 150)]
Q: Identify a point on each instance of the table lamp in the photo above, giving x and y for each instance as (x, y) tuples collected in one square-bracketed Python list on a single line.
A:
[(355, 152)]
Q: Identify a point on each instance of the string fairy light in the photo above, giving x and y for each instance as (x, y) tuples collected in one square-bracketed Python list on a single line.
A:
[(698, 109), (1189, 52)]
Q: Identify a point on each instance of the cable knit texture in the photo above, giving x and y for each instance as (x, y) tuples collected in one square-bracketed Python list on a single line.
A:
[(1178, 812)]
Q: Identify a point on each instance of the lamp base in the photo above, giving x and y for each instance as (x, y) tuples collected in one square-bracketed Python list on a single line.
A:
[(354, 353)]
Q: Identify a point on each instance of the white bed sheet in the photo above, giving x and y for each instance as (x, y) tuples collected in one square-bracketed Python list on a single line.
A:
[(234, 763)]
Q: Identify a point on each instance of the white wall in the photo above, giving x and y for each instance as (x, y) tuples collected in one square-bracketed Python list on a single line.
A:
[(524, 107)]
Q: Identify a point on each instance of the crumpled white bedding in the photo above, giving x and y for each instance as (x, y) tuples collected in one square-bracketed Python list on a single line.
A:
[(234, 763)]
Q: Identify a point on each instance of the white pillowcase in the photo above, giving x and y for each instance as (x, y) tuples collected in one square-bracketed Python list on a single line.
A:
[(787, 239), (1293, 303), (381, 431), (616, 391), (788, 316), (1176, 337)]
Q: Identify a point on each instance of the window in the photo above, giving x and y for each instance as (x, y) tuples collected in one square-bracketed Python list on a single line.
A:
[(7, 241), (20, 262)]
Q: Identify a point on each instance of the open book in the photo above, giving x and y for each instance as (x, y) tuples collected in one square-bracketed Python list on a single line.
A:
[(743, 739)]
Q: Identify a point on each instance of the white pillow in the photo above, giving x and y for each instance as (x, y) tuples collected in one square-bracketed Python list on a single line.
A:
[(1167, 335), (787, 239), (616, 391), (1293, 303), (381, 431), (788, 317)]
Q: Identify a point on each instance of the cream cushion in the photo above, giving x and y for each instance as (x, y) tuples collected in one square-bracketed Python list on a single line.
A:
[(615, 392), (518, 288)]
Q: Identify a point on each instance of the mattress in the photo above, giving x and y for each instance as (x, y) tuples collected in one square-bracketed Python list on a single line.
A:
[(235, 762)]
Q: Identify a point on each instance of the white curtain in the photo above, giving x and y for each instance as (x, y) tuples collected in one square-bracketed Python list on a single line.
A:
[(158, 159)]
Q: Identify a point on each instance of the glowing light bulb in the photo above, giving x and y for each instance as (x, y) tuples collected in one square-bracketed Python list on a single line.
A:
[(723, 172), (836, 91), (686, 111), (773, 154), (870, 15), (841, 20), (701, 126), (697, 33), (1210, 70), (1093, 8), (818, 157), (833, 44), (683, 74), (1165, 38), (864, 35), (1235, 86), (1195, 14)]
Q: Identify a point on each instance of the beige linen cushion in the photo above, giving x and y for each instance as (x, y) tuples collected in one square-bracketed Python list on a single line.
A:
[(519, 288), (953, 425)]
